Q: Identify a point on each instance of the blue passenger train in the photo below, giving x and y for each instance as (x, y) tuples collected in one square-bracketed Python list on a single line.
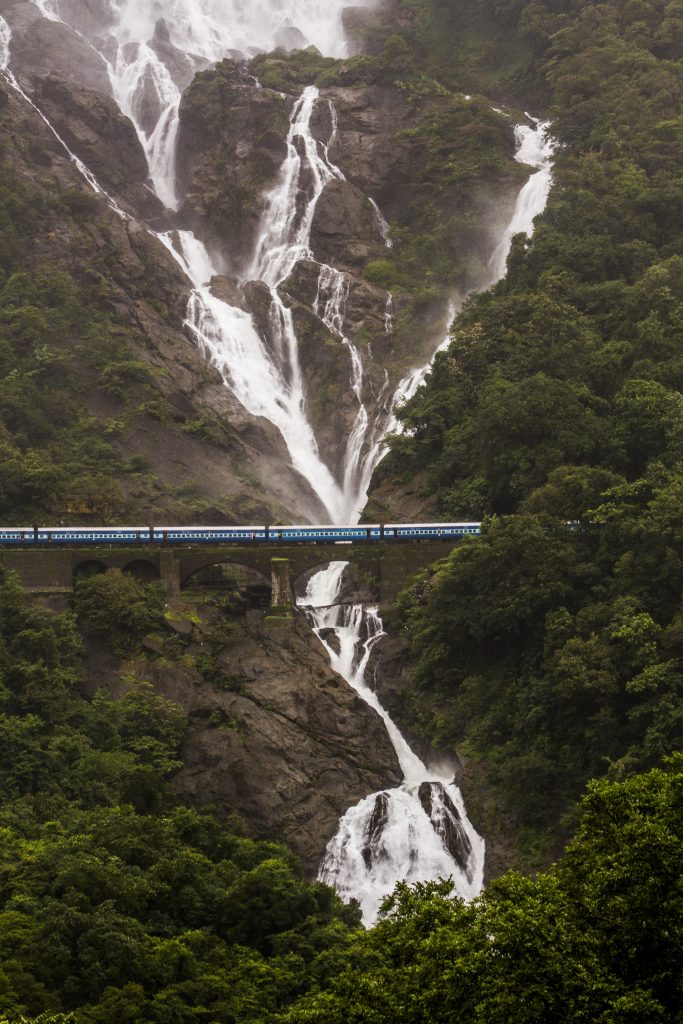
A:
[(77, 536)]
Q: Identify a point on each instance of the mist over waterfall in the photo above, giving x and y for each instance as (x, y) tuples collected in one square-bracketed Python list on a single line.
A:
[(534, 147), (415, 833)]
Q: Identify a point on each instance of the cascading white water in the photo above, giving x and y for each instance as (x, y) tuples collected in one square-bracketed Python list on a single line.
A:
[(272, 385), (5, 40), (146, 82), (264, 387), (329, 305), (535, 148), (417, 832), (286, 230), (389, 314), (150, 63), (382, 225), (420, 830)]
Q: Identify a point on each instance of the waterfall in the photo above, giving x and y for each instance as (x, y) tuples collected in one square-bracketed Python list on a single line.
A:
[(266, 384), (534, 148), (389, 314), (147, 85), (417, 832), (382, 225), (286, 231), (329, 305), (420, 830)]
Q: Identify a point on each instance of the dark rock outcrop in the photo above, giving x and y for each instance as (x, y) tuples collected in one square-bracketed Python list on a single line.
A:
[(181, 68), (343, 229), (105, 140), (445, 817), (231, 144), (373, 849), (287, 744), (41, 47)]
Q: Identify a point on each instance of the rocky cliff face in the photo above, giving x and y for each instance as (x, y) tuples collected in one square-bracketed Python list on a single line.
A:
[(391, 674), (387, 144), (435, 164), (278, 738), (195, 447), (231, 145)]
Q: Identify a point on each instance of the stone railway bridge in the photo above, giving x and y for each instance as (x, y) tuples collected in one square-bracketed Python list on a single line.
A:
[(51, 571)]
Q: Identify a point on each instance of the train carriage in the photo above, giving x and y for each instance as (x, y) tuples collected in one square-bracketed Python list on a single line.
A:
[(255, 534)]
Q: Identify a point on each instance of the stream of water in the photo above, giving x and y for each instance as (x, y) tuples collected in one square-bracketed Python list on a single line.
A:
[(419, 831)]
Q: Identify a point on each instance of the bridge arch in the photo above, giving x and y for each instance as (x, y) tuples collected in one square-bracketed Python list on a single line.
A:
[(144, 570), (87, 568), (225, 577)]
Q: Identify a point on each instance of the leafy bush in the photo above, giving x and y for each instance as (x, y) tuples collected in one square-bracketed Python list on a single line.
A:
[(117, 608)]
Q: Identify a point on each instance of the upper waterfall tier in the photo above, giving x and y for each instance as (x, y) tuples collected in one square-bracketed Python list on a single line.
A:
[(210, 29), (152, 51), (322, 274)]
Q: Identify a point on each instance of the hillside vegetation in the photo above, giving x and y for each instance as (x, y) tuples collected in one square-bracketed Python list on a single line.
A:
[(550, 650), (120, 904)]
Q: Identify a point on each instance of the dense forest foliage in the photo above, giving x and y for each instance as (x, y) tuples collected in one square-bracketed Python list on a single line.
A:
[(117, 902), (550, 650), (595, 939), (118, 905)]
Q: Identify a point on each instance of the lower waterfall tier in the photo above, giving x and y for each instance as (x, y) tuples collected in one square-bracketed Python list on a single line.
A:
[(417, 832)]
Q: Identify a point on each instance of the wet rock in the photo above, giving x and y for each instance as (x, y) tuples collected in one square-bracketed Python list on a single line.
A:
[(92, 17), (373, 849), (102, 137), (179, 64), (231, 144), (227, 289), (298, 746), (259, 302), (290, 38), (446, 820), (344, 225), (331, 638), (49, 47)]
